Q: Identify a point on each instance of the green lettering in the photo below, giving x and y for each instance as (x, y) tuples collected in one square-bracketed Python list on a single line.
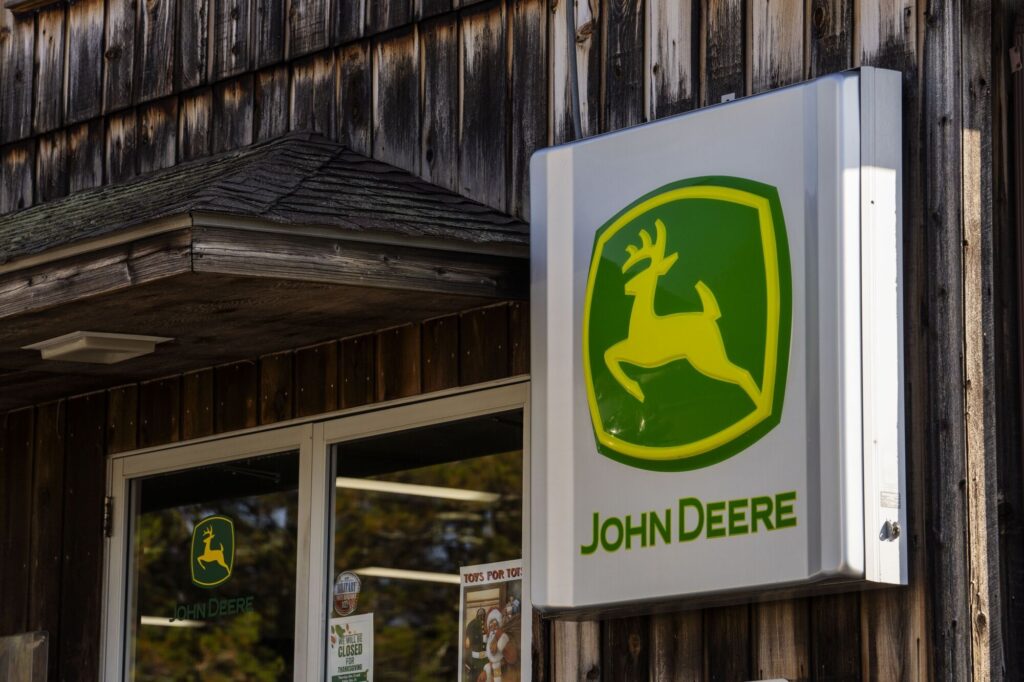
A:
[(737, 516), (663, 529), (592, 547), (180, 613), (761, 510), (640, 530), (716, 519), (785, 516), (212, 610), (201, 610), (609, 523), (248, 603), (693, 503)]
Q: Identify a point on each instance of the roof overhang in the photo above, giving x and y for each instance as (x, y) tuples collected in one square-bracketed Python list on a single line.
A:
[(229, 283)]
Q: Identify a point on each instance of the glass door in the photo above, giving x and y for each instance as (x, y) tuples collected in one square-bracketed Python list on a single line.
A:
[(208, 561)]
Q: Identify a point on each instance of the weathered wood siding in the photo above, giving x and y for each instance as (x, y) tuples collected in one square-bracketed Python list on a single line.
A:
[(461, 93), (52, 457)]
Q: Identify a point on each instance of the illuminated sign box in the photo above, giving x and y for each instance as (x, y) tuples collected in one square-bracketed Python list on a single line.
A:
[(717, 378)]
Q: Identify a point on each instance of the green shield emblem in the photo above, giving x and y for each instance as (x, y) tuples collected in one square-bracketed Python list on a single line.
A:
[(687, 324), (213, 551)]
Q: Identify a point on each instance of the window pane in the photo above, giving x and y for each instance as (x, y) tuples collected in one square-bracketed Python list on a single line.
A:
[(213, 572), (413, 507)]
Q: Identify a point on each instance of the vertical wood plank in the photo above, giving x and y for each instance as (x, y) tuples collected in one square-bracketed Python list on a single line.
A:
[(439, 162), (85, 60), (197, 408), (835, 637), (236, 392), (519, 337), (440, 353), (270, 108), (122, 419), (194, 130), (17, 484), (276, 398), (529, 97), (674, 57), (119, 54), (16, 182), (349, 18), (313, 96), (724, 66), (159, 412), (577, 654), (49, 104), (625, 648), (483, 145), (831, 36), (727, 644), (85, 155), (885, 641), (887, 33), (233, 113), (230, 37), (424, 9), (357, 368), (541, 648), (157, 49), (82, 570), (270, 32), (980, 313), (47, 519), (193, 43), (309, 26), (677, 647), (781, 634), (316, 379), (624, 64), (777, 43), (384, 15), (51, 166), (17, 51), (158, 134), (121, 155), (398, 362), (588, 67), (483, 344), (396, 101), (354, 107)]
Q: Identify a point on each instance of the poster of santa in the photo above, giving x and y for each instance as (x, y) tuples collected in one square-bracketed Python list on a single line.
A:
[(491, 622), (350, 649)]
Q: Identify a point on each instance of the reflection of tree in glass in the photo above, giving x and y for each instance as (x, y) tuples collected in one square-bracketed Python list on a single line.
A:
[(250, 646), (417, 622)]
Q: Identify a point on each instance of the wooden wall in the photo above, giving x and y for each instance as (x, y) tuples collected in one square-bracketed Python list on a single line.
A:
[(52, 457), (461, 92)]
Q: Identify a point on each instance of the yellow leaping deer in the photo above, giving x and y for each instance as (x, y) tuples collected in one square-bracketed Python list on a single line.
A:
[(209, 554), (655, 340)]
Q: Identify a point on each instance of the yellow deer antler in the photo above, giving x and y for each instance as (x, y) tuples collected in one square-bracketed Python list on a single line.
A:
[(654, 251)]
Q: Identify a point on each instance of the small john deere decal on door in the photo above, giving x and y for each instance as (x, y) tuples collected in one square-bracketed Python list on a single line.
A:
[(687, 323), (213, 551)]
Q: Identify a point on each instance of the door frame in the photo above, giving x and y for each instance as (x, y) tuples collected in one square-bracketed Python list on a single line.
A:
[(312, 437)]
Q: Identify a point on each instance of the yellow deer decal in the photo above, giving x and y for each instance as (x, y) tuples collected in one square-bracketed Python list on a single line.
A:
[(655, 340), (209, 554)]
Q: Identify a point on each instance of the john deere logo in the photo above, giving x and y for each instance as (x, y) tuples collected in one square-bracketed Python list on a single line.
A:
[(213, 551), (686, 324)]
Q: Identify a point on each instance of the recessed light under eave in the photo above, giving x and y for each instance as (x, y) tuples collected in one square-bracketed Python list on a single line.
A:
[(96, 347)]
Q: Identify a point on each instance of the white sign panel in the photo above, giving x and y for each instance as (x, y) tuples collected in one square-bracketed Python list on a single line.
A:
[(350, 649), (717, 368)]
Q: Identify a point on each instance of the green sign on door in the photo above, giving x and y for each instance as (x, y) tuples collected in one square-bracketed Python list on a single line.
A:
[(687, 323), (213, 551)]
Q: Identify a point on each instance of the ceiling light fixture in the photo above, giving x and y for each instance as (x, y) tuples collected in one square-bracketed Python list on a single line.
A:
[(170, 622), (96, 347), (458, 494), (402, 574)]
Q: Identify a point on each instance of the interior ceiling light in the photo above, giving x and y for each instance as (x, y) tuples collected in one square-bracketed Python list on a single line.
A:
[(459, 494), (96, 347), (170, 622), (402, 574)]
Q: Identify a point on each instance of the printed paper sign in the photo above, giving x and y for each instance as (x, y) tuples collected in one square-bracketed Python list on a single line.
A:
[(350, 649), (491, 622)]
